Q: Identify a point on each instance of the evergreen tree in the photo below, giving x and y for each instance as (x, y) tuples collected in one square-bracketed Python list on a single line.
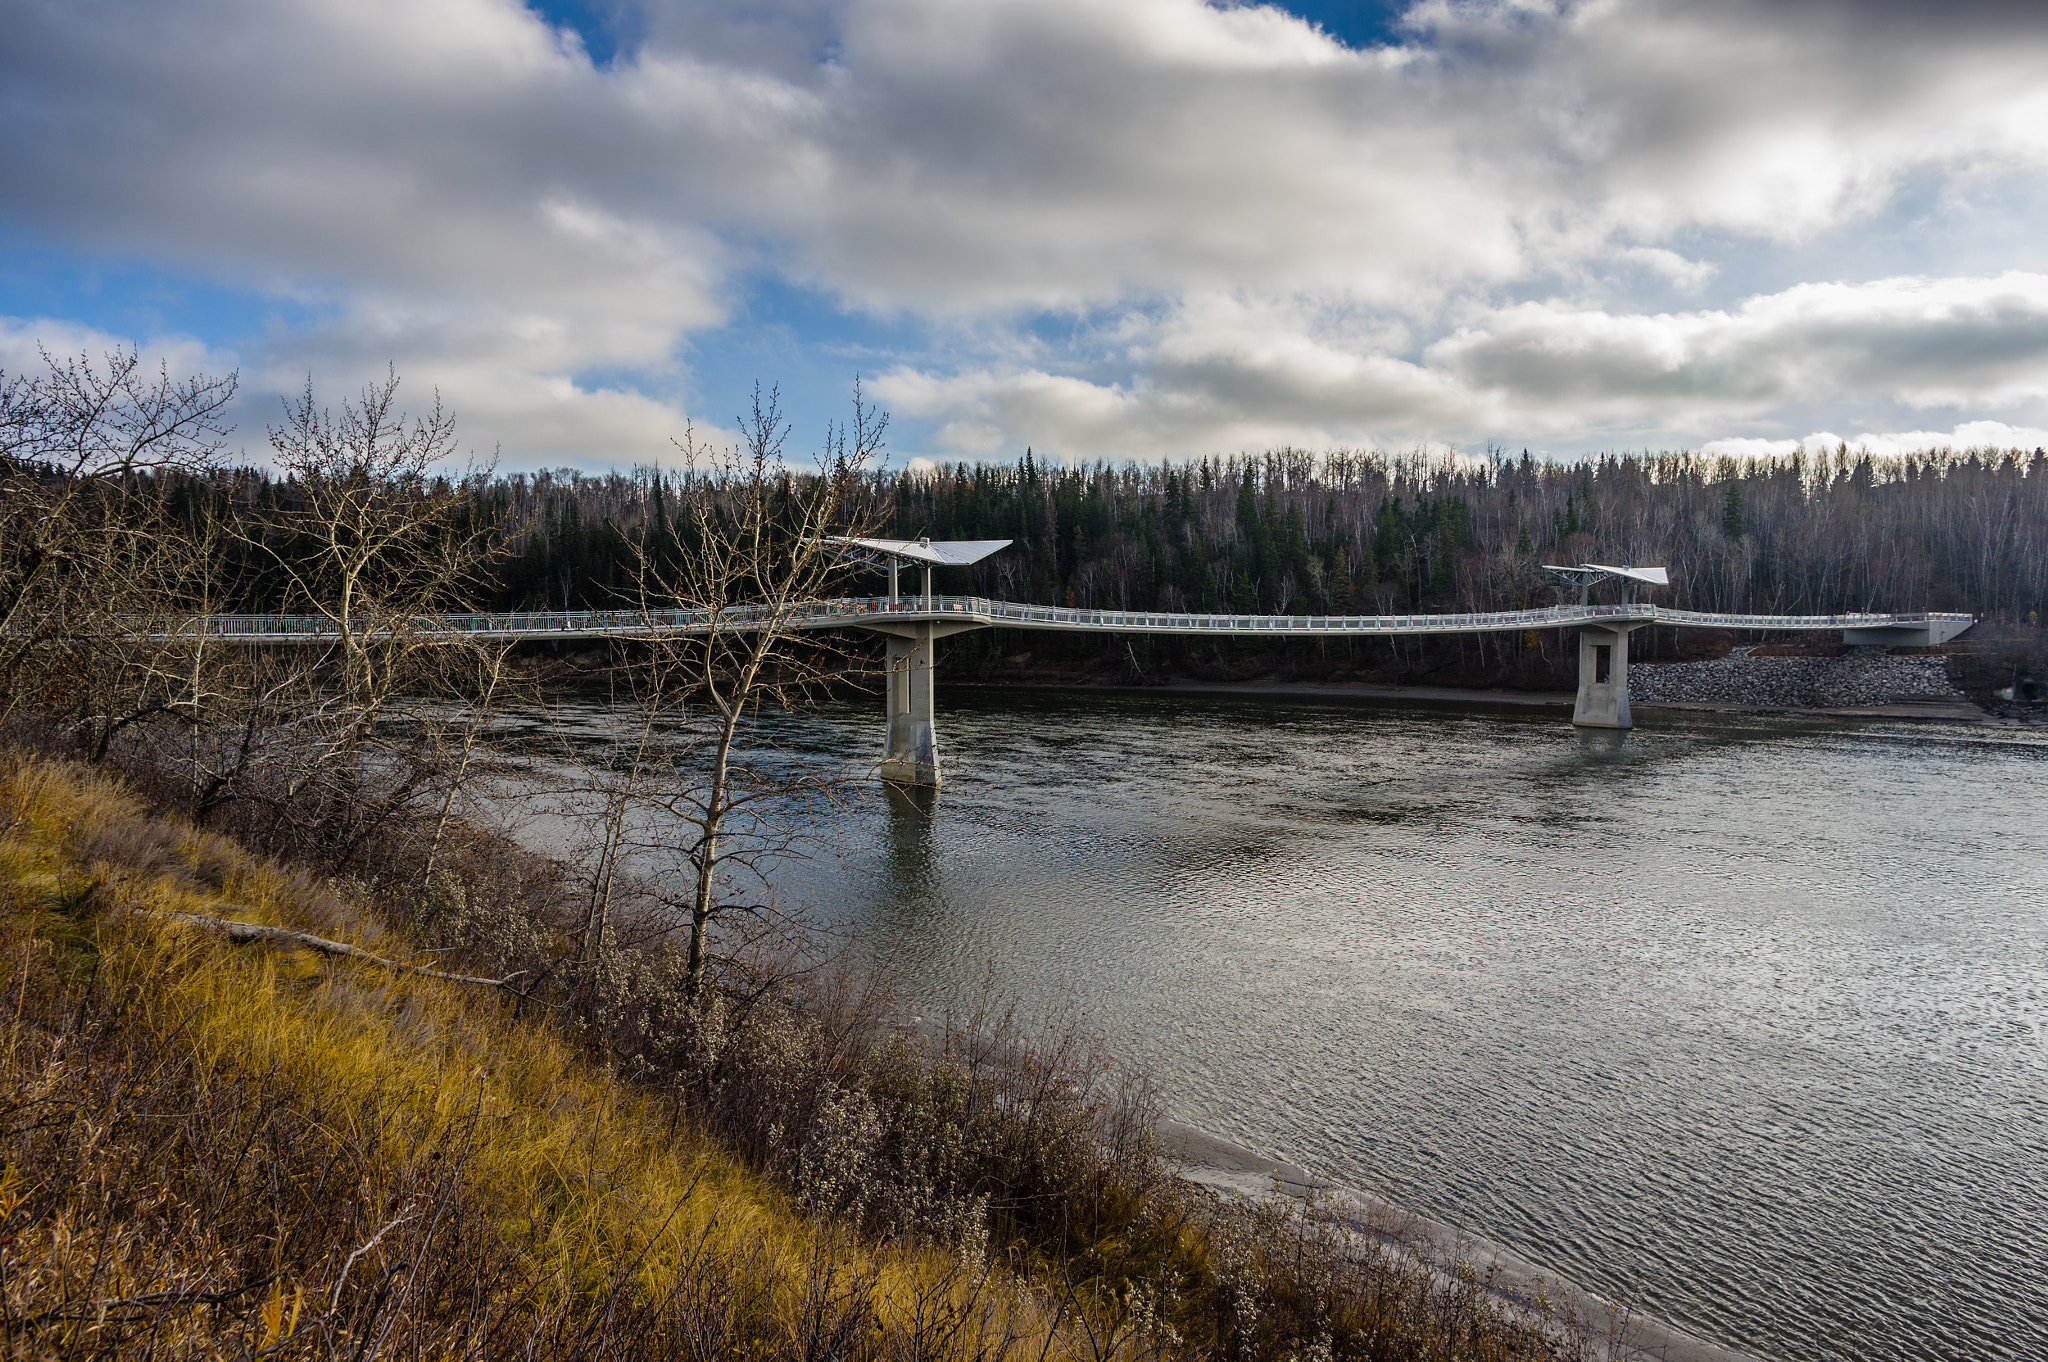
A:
[(1731, 512)]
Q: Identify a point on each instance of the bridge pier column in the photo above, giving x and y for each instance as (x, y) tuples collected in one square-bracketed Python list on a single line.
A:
[(1603, 677), (912, 756)]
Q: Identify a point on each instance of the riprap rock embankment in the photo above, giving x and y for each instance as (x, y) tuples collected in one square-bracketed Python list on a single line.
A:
[(1861, 677)]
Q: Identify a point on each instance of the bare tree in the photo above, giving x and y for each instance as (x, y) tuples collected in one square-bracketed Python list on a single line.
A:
[(369, 538), (723, 596), (380, 706), (82, 551)]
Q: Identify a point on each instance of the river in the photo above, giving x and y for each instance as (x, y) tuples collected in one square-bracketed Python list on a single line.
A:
[(1742, 1020)]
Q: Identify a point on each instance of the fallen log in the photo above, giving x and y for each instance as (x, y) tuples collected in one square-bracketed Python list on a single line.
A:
[(242, 933)]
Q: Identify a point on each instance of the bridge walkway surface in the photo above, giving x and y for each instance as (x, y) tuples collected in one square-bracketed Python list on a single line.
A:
[(874, 612), (912, 624)]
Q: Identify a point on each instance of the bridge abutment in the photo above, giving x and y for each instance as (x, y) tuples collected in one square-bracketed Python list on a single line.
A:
[(1603, 677)]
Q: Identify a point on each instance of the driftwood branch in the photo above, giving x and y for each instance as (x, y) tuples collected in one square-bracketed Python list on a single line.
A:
[(244, 932)]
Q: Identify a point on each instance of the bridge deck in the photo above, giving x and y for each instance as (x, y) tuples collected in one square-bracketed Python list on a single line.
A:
[(880, 612)]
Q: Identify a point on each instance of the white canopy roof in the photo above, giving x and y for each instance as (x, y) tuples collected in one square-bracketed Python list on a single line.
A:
[(937, 553), (1649, 576)]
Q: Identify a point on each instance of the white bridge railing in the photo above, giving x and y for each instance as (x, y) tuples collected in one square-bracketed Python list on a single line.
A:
[(880, 611)]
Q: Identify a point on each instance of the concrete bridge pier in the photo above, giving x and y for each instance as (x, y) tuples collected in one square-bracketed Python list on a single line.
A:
[(1603, 676), (912, 754)]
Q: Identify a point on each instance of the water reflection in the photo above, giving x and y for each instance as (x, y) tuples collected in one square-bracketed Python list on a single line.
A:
[(1604, 745), (1742, 1019), (913, 853)]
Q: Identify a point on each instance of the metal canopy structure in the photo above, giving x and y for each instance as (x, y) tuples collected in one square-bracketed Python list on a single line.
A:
[(929, 553), (925, 553), (1586, 576)]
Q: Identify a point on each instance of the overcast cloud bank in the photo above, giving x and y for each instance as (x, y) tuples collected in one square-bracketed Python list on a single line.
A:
[(1142, 228)]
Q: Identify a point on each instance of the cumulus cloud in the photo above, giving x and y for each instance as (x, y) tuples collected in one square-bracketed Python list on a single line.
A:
[(1048, 153), (513, 379), (1454, 234), (1221, 373), (499, 405), (24, 341), (1925, 342), (1887, 444), (433, 148)]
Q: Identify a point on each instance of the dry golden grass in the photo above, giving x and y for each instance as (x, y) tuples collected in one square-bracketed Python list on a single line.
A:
[(487, 1182)]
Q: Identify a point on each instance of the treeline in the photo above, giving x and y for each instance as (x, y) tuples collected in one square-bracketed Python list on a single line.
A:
[(1286, 532), (1294, 533), (1290, 532)]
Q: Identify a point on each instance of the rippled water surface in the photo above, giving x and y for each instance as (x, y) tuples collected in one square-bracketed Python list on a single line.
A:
[(1745, 1020)]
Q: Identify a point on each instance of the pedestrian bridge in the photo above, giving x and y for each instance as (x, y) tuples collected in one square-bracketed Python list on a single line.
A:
[(981, 612), (912, 624)]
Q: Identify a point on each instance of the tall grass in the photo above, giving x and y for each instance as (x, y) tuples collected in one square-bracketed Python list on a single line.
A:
[(212, 1150)]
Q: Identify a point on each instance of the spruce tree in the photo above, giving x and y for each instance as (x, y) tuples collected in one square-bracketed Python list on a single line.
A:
[(1731, 512)]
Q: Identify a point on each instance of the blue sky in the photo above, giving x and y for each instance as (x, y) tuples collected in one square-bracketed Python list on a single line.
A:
[(607, 29), (1102, 228)]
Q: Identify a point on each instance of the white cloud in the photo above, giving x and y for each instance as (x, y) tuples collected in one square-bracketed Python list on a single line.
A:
[(1297, 240), (1224, 373), (1050, 153), (25, 340), (511, 378), (1889, 444), (1925, 342), (538, 418)]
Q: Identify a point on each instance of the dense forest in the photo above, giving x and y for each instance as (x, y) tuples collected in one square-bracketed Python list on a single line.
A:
[(1292, 532)]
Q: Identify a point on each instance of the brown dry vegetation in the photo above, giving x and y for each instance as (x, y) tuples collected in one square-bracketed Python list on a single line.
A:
[(213, 1150)]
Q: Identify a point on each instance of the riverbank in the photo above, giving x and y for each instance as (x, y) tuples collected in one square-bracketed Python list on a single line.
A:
[(971, 1192), (225, 1096), (1857, 678), (1230, 1169), (1920, 709), (1580, 1323), (1308, 690)]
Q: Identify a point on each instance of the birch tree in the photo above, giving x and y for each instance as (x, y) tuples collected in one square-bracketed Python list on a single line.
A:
[(373, 537)]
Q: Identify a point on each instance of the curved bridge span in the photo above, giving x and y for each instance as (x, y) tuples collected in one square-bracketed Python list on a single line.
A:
[(880, 613), (913, 624)]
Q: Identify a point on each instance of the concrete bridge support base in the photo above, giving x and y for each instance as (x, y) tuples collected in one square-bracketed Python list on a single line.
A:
[(1603, 678), (911, 757), (912, 754)]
